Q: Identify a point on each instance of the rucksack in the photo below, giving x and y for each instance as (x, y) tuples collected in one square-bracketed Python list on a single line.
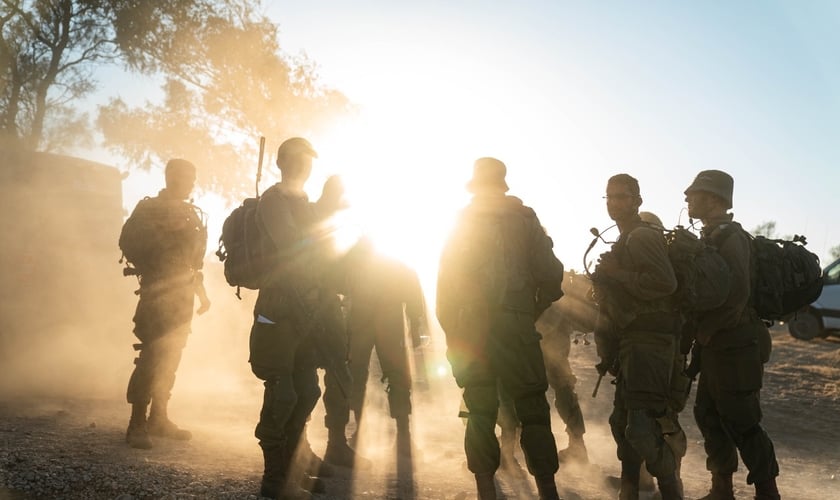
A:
[(136, 236), (479, 250), (786, 276), (244, 249), (703, 277), (158, 231)]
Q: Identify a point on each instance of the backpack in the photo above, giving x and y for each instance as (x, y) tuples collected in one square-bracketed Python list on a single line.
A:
[(785, 276), (135, 239), (244, 249), (479, 251), (703, 278), (159, 233)]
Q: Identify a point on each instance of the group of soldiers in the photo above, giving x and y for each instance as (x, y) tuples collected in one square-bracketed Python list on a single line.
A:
[(498, 290), (312, 304)]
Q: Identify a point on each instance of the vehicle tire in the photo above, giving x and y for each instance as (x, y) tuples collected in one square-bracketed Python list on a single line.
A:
[(806, 325)]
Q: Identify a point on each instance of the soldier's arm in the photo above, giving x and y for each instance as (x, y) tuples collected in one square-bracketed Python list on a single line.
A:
[(547, 269)]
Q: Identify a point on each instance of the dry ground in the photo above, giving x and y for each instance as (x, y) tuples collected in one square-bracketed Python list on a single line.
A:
[(72, 447)]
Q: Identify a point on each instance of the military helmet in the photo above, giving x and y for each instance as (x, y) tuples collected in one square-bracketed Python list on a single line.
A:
[(651, 218), (488, 173), (293, 146), (717, 182)]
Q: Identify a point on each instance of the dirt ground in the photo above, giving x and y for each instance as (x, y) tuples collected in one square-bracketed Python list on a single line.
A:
[(73, 446)]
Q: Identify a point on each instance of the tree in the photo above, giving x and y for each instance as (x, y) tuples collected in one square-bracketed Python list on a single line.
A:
[(226, 82), (834, 252), (48, 51), (766, 229)]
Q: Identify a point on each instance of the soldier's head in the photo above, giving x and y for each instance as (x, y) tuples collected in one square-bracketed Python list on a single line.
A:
[(294, 158), (710, 194), (180, 177), (488, 177), (623, 198)]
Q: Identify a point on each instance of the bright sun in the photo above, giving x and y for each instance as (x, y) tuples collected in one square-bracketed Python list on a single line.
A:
[(405, 204)]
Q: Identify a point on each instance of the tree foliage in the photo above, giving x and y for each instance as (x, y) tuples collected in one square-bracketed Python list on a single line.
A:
[(48, 52), (834, 252), (226, 82), (766, 229), (223, 78)]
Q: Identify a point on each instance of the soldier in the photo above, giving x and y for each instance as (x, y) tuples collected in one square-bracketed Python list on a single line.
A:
[(733, 345), (382, 293), (286, 313), (497, 274), (164, 239), (637, 338), (574, 312)]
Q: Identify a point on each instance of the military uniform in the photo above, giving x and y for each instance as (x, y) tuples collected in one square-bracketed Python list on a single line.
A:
[(641, 342), (282, 350), (490, 332), (379, 289), (171, 238), (735, 346)]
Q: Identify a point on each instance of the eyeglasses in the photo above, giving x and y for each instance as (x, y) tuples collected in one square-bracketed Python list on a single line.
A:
[(620, 196)]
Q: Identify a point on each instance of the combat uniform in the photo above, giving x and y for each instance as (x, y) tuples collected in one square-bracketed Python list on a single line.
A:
[(282, 351), (735, 346), (642, 342), (493, 342), (174, 239), (379, 289)]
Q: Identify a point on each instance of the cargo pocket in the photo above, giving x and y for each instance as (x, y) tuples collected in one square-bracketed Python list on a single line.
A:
[(646, 363)]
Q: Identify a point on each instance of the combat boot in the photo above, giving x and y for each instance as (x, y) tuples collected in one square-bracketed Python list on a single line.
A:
[(137, 435), (339, 453), (165, 428), (546, 487), (274, 481), (160, 425), (767, 490), (721, 488), (575, 453), (486, 486)]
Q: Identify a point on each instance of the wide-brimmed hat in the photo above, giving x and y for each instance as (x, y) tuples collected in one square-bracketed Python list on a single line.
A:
[(717, 182), (488, 174)]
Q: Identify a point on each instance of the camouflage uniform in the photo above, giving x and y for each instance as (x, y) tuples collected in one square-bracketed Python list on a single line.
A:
[(641, 343), (495, 343), (175, 239), (735, 347)]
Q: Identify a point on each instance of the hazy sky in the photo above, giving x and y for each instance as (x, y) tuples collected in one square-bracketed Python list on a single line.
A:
[(570, 93)]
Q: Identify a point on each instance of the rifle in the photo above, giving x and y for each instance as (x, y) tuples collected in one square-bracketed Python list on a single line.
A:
[(259, 165), (597, 385)]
